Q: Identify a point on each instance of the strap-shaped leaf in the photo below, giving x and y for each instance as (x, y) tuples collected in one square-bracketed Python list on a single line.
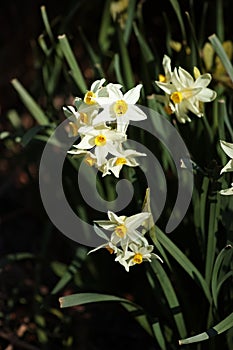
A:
[(87, 298), (221, 327)]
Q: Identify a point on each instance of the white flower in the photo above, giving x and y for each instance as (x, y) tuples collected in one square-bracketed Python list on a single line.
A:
[(124, 229), (136, 255), (104, 141), (125, 157), (121, 107), (186, 93), (228, 149)]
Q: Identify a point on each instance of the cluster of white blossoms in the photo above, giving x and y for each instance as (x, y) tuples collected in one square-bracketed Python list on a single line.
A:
[(127, 240), (183, 93), (228, 149), (101, 120)]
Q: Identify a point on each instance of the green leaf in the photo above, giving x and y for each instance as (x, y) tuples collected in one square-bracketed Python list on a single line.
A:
[(11, 258), (46, 23), (30, 134), (217, 266), (216, 43), (221, 327), (212, 239), (105, 28), (145, 49), (30, 103), (130, 19), (126, 67), (86, 298), (184, 262), (220, 20), (71, 60), (72, 269), (170, 295), (176, 7), (95, 59)]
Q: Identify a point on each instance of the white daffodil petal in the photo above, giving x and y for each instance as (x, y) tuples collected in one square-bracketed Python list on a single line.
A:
[(227, 148), (185, 77), (206, 95), (227, 192), (135, 113), (101, 153), (114, 218), (97, 84), (167, 67), (203, 80), (87, 142), (228, 167), (167, 88), (136, 220), (132, 96), (97, 248)]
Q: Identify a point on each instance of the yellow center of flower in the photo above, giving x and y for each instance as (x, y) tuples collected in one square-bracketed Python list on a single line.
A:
[(89, 98), (162, 78), (137, 259), (89, 161), (121, 231), (176, 97), (84, 118), (120, 107), (100, 140), (120, 161)]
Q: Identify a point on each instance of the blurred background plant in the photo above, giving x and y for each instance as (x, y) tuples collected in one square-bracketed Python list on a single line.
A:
[(51, 53)]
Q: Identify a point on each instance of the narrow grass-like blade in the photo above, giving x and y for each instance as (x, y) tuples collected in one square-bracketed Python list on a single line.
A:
[(212, 239), (75, 265), (170, 295), (95, 59), (176, 7), (145, 49), (221, 327), (86, 298), (105, 28), (130, 19), (30, 103), (72, 62), (217, 266), (126, 67), (216, 43), (184, 262), (46, 23)]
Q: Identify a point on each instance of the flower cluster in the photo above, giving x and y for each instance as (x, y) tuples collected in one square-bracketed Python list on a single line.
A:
[(101, 120), (228, 149), (183, 93), (127, 240)]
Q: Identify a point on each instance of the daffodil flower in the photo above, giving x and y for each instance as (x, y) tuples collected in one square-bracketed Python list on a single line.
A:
[(103, 141), (136, 255), (120, 107), (228, 149), (187, 93), (124, 229), (115, 164)]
